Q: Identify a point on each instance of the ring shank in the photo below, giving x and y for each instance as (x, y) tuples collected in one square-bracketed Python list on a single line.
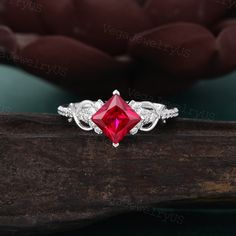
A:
[(66, 110), (169, 113)]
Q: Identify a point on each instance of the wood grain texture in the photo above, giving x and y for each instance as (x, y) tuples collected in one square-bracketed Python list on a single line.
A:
[(54, 176)]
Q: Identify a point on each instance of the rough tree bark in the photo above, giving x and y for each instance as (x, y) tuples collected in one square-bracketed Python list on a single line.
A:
[(54, 176)]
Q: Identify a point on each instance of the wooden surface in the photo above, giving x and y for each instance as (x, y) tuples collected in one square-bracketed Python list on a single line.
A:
[(54, 176)]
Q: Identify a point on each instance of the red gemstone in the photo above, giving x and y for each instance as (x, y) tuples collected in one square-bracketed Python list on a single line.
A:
[(116, 118)]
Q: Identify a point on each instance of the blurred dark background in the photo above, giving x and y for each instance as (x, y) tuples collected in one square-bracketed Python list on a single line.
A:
[(181, 53)]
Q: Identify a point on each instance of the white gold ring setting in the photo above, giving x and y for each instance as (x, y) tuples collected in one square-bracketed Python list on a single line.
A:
[(116, 118)]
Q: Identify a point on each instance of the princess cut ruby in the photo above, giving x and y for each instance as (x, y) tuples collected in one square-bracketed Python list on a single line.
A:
[(116, 118)]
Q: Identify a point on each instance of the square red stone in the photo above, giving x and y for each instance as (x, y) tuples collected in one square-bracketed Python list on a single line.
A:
[(116, 118)]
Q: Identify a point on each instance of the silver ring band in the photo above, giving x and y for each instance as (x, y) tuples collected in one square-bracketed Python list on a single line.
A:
[(150, 113)]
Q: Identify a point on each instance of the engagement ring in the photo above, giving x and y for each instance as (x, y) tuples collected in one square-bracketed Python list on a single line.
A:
[(116, 118)]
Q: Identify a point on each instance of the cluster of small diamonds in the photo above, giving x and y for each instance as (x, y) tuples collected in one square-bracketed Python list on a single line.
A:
[(166, 114), (84, 111), (148, 112), (65, 111)]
